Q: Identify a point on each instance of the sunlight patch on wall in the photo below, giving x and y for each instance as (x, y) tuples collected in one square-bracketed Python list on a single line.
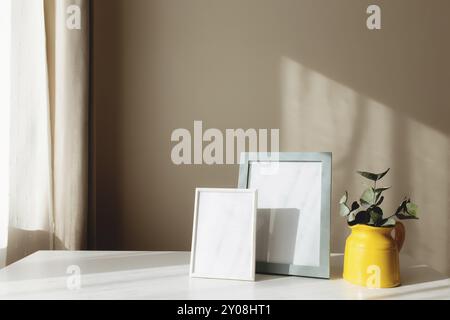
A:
[(320, 114)]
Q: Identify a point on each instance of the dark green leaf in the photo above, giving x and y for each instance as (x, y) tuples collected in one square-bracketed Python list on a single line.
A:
[(402, 212), (380, 201), (373, 176), (379, 191), (402, 207), (406, 217), (355, 206), (376, 215), (361, 217)]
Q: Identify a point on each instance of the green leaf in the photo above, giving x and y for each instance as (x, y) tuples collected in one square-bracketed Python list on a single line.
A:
[(344, 198), (344, 210), (351, 217), (402, 212), (368, 197), (379, 191), (412, 209), (376, 215), (361, 217), (390, 222), (373, 176)]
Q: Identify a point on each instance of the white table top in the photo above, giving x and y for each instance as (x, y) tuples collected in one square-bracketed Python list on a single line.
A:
[(165, 275)]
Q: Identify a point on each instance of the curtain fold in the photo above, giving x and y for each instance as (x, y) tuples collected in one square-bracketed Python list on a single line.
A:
[(49, 126), (70, 124)]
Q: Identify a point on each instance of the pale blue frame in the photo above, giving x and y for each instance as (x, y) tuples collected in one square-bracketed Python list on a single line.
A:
[(323, 270)]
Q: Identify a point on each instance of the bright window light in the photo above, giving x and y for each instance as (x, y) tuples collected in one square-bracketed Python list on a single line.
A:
[(5, 89)]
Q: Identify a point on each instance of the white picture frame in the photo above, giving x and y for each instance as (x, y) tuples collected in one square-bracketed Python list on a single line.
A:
[(224, 234)]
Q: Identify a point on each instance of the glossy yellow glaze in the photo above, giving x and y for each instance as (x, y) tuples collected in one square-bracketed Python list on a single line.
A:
[(372, 256)]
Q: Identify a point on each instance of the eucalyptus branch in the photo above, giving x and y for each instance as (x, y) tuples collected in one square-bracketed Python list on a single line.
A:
[(370, 212)]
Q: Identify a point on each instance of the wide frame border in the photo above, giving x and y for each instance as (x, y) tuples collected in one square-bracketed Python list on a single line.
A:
[(323, 270)]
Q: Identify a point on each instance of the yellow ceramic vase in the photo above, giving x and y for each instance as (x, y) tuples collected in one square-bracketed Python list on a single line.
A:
[(371, 256)]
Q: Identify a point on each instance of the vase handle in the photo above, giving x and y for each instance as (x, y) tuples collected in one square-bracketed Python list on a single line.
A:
[(399, 235)]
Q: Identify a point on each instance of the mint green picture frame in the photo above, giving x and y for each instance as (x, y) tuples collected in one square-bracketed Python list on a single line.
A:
[(325, 158)]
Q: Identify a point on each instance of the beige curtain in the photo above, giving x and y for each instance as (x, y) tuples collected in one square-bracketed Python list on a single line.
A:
[(49, 126)]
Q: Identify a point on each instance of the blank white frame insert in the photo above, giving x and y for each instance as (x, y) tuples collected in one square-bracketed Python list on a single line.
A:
[(224, 234), (293, 219)]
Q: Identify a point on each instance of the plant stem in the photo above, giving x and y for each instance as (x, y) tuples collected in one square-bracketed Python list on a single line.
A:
[(390, 216)]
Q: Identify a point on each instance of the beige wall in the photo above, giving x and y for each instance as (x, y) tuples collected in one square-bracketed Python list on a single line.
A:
[(311, 68)]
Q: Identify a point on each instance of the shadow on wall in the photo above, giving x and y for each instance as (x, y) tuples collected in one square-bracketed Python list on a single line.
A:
[(107, 79), (2, 257), (22, 243), (322, 115)]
